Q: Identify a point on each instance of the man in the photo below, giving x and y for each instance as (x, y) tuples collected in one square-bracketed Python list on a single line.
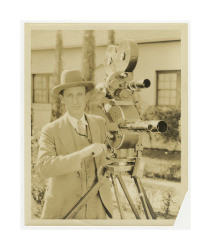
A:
[(71, 153)]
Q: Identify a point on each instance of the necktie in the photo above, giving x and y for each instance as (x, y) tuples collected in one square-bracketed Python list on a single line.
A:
[(81, 128)]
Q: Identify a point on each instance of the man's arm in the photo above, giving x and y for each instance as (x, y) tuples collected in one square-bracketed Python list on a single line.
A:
[(52, 165)]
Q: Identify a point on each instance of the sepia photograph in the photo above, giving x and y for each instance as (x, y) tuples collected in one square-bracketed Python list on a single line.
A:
[(106, 123)]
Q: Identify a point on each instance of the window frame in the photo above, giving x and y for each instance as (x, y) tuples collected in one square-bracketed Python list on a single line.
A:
[(178, 87), (47, 87)]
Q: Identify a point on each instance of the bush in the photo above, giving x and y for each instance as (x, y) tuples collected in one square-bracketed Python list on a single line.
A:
[(172, 173), (38, 187), (171, 116), (167, 201)]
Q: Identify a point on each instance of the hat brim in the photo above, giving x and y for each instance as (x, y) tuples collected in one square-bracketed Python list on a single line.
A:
[(87, 84)]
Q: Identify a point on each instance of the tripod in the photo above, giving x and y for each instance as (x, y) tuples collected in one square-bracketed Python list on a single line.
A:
[(115, 171)]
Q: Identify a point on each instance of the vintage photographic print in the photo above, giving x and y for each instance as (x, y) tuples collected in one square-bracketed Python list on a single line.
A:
[(106, 124)]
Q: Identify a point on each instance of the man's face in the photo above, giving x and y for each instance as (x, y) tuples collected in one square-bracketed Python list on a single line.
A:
[(74, 100)]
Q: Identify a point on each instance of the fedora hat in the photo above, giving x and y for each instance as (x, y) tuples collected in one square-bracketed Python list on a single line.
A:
[(72, 78)]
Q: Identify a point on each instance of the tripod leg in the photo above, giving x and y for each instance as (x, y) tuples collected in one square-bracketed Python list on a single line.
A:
[(83, 201), (135, 211), (146, 210), (141, 189), (117, 196)]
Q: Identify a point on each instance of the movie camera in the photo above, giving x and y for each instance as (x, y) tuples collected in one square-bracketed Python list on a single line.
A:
[(124, 121)]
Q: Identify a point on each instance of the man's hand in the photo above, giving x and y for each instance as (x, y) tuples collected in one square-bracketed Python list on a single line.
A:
[(94, 149)]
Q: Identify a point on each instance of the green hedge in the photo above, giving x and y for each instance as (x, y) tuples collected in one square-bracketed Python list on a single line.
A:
[(171, 116), (38, 186)]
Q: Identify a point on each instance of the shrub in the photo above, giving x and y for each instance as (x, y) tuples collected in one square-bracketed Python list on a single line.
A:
[(37, 185), (171, 116), (172, 173), (167, 201)]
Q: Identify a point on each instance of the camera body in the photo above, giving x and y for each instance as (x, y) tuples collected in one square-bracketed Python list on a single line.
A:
[(124, 124)]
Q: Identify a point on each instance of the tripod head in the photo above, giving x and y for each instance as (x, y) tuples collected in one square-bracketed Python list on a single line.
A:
[(124, 124)]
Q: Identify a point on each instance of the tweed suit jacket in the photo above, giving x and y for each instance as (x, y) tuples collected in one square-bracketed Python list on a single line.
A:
[(59, 161)]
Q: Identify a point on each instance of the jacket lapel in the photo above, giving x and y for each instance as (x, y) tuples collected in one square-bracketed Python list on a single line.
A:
[(66, 135), (95, 134)]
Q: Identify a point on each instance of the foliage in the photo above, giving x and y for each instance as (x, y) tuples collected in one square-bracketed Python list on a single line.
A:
[(111, 37), (172, 173), (37, 185), (162, 164), (56, 110), (88, 59), (88, 63), (171, 116), (167, 201), (180, 128)]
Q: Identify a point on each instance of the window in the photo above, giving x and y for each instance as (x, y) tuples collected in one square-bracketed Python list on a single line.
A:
[(169, 88), (42, 84)]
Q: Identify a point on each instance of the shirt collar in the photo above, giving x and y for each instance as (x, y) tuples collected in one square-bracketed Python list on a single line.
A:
[(74, 121)]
